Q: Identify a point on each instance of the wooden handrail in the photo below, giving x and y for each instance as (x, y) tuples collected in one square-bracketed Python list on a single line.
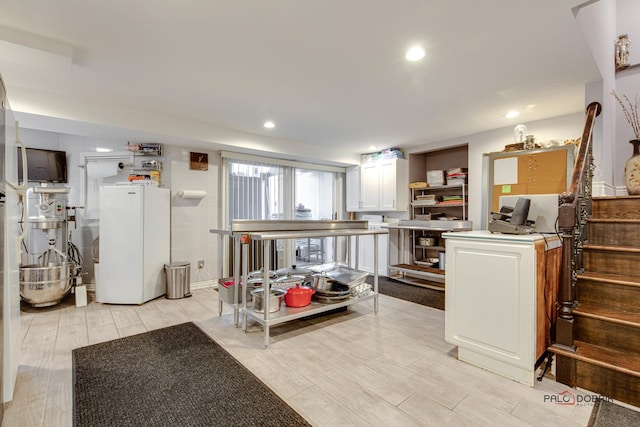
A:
[(575, 208), (593, 110)]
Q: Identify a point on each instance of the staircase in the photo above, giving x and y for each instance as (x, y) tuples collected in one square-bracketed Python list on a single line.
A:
[(606, 325)]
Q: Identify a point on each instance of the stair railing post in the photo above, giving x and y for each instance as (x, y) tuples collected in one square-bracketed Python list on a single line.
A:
[(574, 209), (566, 294)]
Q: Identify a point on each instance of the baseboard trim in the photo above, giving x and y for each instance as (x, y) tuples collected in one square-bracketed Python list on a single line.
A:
[(204, 284), (601, 188)]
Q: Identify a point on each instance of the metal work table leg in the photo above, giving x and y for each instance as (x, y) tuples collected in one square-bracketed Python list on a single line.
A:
[(236, 278), (266, 249), (375, 272), (245, 284)]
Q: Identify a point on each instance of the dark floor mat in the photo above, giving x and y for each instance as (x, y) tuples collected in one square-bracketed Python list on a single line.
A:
[(175, 376), (607, 414), (418, 294)]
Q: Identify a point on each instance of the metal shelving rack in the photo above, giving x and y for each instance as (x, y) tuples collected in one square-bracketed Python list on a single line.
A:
[(146, 163), (442, 190), (267, 232), (406, 269)]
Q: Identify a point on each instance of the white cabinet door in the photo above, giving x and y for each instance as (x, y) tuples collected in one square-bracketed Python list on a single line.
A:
[(394, 185), (383, 251), (388, 185), (353, 189), (370, 186), (366, 254), (384, 186), (490, 304)]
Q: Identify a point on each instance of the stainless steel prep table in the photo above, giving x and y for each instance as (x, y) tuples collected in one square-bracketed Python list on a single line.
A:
[(269, 231)]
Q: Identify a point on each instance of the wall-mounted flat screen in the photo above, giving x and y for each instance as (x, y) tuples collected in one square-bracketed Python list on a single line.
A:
[(44, 165)]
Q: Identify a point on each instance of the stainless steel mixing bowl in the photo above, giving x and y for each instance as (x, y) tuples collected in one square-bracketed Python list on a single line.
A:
[(45, 286)]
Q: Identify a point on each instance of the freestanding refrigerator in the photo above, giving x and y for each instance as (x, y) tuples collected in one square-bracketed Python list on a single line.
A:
[(134, 243), (10, 331)]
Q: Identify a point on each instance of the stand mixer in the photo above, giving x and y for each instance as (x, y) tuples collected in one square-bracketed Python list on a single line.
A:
[(46, 277)]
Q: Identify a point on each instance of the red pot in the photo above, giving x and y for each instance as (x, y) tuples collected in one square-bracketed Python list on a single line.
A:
[(298, 296)]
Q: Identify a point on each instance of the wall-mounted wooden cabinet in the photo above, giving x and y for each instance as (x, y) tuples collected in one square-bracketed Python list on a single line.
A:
[(378, 186)]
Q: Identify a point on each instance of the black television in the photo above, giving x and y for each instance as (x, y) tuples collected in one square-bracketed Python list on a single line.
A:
[(44, 165)]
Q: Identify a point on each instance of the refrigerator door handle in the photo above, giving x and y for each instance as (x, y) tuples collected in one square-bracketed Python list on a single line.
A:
[(21, 188), (22, 191)]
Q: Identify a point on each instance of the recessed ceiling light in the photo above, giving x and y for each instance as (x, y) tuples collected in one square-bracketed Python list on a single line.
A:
[(104, 150), (416, 53), (372, 147), (512, 114), (269, 125)]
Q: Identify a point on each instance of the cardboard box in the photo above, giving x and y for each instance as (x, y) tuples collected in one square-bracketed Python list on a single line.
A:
[(435, 177)]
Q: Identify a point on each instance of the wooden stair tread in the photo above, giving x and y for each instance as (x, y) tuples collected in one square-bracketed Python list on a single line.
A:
[(611, 248), (614, 316), (613, 220), (615, 197), (627, 363), (618, 279)]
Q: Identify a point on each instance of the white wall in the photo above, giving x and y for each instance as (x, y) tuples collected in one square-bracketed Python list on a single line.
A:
[(191, 220), (601, 23), (626, 82), (627, 14), (562, 128)]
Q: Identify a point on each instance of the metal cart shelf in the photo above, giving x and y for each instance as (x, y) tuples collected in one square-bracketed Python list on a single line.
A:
[(265, 233)]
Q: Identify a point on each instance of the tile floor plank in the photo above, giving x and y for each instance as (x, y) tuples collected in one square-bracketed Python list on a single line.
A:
[(354, 368)]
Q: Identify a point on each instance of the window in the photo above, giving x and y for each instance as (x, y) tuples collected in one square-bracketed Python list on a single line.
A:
[(255, 191), (314, 199), (261, 190)]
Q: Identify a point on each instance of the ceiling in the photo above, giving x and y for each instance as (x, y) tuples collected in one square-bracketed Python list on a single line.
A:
[(331, 74)]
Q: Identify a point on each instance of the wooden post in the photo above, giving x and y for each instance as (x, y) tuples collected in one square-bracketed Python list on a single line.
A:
[(566, 293), (568, 224)]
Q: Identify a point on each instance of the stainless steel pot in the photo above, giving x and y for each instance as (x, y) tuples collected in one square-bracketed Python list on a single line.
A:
[(322, 282), (259, 274), (296, 271), (254, 283), (275, 299), (427, 241), (288, 281)]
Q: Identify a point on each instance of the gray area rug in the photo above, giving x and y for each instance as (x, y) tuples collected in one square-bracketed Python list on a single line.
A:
[(407, 292), (175, 376), (607, 414)]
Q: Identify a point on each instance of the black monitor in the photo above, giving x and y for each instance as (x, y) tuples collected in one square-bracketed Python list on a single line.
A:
[(44, 165)]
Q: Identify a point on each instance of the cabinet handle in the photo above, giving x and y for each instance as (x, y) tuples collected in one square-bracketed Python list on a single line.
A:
[(394, 203)]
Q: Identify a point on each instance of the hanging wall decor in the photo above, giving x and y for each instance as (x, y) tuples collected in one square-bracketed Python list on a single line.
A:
[(199, 161), (622, 51)]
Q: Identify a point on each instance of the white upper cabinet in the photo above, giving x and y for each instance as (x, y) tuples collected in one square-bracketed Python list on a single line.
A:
[(354, 201), (383, 185), (370, 186), (394, 185)]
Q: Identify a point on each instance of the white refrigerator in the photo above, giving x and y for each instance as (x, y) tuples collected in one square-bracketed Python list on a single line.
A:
[(134, 243)]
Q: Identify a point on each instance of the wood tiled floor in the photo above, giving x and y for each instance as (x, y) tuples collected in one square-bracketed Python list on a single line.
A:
[(354, 368)]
